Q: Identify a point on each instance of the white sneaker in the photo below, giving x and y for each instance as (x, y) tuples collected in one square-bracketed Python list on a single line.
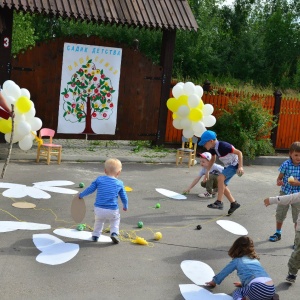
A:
[(205, 195)]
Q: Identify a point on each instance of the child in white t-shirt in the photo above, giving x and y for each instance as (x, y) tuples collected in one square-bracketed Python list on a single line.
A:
[(211, 184)]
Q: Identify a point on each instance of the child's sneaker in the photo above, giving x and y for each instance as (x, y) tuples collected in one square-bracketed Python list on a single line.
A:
[(275, 237), (205, 195), (95, 238), (115, 238), (217, 205), (233, 207), (291, 278)]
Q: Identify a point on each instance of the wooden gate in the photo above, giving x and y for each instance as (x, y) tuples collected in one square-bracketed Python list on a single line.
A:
[(39, 71)]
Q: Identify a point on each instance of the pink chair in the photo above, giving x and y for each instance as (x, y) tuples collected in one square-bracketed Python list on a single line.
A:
[(48, 149)]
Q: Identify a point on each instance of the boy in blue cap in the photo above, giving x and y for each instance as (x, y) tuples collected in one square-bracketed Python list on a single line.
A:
[(232, 159)]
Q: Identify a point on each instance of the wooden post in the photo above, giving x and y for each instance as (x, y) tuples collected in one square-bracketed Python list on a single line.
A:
[(166, 60), (276, 112), (6, 22)]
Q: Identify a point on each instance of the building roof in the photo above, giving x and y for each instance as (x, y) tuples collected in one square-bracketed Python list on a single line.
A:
[(158, 14)]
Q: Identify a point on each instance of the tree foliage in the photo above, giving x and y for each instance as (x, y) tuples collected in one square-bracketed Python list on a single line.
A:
[(251, 41)]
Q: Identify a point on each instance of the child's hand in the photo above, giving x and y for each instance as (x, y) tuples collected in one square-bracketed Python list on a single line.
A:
[(125, 209), (295, 182), (211, 283), (237, 284), (186, 192), (279, 182), (267, 202)]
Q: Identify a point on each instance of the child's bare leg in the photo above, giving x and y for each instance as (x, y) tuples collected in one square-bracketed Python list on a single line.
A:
[(228, 195)]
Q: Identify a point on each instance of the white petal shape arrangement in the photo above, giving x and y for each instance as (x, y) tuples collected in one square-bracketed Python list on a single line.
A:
[(194, 292), (171, 194), (54, 251), (81, 235), (7, 226), (232, 227), (197, 271), (15, 190)]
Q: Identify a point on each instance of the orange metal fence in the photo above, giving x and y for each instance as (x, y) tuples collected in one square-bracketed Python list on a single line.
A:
[(288, 124)]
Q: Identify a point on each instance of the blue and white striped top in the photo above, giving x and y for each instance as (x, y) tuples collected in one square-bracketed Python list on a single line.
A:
[(108, 191)]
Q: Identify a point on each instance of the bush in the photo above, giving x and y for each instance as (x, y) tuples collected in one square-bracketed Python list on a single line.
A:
[(246, 125)]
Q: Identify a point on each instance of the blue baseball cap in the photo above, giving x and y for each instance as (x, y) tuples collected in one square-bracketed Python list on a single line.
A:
[(207, 136)]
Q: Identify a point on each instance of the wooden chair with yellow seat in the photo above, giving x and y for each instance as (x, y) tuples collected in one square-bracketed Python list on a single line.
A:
[(48, 149), (187, 150)]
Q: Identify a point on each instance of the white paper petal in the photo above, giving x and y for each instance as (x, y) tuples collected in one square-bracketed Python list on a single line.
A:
[(58, 254), (23, 191), (194, 292), (6, 226), (171, 194), (6, 185), (232, 227), (44, 240), (81, 235), (54, 183), (56, 189), (197, 271)]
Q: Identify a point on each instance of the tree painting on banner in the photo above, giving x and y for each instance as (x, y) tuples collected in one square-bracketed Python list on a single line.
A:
[(89, 89)]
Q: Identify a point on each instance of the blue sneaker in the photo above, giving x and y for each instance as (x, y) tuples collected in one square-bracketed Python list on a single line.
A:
[(115, 238)]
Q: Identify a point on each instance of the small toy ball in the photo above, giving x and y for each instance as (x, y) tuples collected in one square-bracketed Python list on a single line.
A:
[(199, 227), (291, 179), (81, 184), (157, 205), (140, 224), (81, 227), (157, 236)]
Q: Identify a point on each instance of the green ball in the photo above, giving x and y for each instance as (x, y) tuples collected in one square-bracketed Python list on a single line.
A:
[(81, 184), (140, 224), (157, 205)]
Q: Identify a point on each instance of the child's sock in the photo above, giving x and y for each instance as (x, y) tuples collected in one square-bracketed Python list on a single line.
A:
[(278, 231)]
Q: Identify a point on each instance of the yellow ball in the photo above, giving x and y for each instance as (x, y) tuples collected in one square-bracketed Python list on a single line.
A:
[(157, 236)]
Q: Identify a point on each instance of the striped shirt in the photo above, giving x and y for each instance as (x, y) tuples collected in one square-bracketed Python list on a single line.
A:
[(108, 191), (289, 169)]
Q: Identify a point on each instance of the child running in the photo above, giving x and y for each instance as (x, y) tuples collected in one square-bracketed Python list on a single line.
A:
[(106, 207), (210, 184), (255, 282), (232, 159)]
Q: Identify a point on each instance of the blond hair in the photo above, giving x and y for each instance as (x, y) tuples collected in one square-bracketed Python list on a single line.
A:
[(113, 166)]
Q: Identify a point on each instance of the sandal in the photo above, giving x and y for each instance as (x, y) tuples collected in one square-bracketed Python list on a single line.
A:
[(275, 237), (217, 204)]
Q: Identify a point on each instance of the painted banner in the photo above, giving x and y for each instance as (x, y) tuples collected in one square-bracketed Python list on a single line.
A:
[(89, 89)]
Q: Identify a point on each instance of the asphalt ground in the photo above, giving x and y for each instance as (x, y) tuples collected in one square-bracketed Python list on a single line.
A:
[(128, 270)]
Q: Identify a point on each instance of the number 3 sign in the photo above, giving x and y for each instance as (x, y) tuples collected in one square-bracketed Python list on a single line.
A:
[(6, 42)]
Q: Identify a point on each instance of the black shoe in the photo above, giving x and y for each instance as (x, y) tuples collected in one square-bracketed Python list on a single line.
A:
[(291, 278), (275, 237), (115, 238), (95, 238), (217, 205), (233, 207)]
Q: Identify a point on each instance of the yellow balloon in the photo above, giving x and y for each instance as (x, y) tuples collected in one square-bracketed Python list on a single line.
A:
[(5, 125), (200, 105), (23, 104), (183, 100), (173, 104), (195, 115), (174, 116)]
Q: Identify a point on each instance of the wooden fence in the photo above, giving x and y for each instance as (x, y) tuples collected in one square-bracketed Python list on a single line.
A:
[(287, 131)]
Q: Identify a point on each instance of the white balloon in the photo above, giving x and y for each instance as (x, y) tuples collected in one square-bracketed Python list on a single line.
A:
[(209, 121), (188, 133), (198, 127), (31, 113), (199, 90), (186, 123), (19, 118), (11, 89), (23, 128), (26, 143), (25, 92), (35, 123), (16, 137), (183, 111), (207, 109), (193, 100), (180, 83), (177, 123), (33, 134), (177, 91), (189, 88)]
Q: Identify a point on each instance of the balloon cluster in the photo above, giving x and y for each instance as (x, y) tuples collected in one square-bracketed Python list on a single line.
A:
[(189, 111), (25, 123)]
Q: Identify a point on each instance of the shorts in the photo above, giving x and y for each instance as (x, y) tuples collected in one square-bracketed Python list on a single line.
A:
[(229, 172), (281, 211)]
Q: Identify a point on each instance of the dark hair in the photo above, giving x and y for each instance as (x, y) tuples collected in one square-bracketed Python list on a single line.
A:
[(243, 246), (295, 147)]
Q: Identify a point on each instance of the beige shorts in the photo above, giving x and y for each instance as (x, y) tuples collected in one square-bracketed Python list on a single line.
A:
[(281, 211)]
